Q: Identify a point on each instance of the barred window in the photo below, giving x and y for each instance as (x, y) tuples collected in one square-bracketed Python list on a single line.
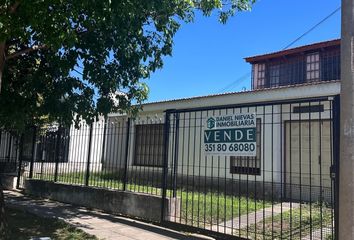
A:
[(248, 165), (330, 65), (27, 145), (46, 145), (149, 145), (313, 67), (274, 75)]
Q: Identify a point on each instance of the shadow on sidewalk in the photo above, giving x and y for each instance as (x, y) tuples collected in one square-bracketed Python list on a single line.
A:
[(80, 217)]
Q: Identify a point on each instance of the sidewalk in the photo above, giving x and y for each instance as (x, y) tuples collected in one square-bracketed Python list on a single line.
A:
[(102, 225), (253, 217)]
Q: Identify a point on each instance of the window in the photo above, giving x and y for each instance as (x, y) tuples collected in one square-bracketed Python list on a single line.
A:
[(149, 145), (330, 65), (259, 75), (274, 75), (296, 69), (46, 145), (313, 67), (248, 165), (27, 145)]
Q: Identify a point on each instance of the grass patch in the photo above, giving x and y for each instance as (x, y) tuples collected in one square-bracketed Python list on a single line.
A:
[(104, 180), (197, 208), (200, 209), (293, 224), (23, 225), (205, 209)]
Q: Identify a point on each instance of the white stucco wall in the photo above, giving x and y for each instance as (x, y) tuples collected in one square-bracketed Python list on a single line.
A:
[(190, 141)]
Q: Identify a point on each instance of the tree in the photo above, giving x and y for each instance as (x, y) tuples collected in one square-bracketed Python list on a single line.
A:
[(72, 60), (75, 59)]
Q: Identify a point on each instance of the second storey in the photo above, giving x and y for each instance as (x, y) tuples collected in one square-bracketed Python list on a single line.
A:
[(311, 63)]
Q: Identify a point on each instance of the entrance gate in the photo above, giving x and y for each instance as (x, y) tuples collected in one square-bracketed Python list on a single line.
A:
[(283, 188)]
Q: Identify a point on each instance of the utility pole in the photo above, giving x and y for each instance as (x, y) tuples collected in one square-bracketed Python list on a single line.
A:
[(346, 169)]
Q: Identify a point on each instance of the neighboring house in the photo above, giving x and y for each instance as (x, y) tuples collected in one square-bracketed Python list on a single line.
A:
[(293, 134), (74, 146), (8, 153), (40, 146)]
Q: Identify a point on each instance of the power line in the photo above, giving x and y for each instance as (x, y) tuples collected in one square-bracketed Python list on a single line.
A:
[(287, 46), (243, 77), (77, 72), (312, 28)]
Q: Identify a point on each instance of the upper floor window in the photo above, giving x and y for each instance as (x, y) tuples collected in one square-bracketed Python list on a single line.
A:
[(330, 65), (313, 67), (259, 76), (274, 75), (297, 69)]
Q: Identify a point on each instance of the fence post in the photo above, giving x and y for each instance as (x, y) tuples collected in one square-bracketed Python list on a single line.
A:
[(20, 162), (105, 123), (33, 151), (125, 179), (165, 162), (57, 154), (336, 157), (175, 165), (89, 157), (9, 148)]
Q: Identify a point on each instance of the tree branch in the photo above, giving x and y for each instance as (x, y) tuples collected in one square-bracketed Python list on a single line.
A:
[(24, 51), (11, 42)]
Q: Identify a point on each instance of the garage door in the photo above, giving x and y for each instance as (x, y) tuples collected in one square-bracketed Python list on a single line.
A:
[(307, 160)]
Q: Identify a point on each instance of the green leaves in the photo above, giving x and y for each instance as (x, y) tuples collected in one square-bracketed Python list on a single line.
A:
[(96, 54)]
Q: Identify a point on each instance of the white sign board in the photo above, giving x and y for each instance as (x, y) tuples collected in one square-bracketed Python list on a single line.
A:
[(230, 135)]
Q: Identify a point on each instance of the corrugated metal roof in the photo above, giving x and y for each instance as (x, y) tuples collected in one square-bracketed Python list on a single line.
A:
[(295, 50), (241, 92)]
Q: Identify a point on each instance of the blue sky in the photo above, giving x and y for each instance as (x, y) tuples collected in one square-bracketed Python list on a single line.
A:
[(208, 56)]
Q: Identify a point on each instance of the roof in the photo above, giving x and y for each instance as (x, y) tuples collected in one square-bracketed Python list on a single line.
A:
[(242, 92), (282, 53)]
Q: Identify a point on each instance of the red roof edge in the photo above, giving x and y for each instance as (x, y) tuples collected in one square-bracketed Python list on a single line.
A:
[(309, 47)]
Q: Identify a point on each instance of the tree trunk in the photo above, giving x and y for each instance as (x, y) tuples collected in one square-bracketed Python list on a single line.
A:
[(3, 222), (2, 61)]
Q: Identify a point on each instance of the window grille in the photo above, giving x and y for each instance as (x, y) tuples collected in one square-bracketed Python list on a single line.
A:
[(149, 145), (248, 165), (274, 75)]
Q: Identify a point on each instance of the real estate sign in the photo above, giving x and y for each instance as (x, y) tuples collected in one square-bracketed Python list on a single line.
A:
[(231, 135)]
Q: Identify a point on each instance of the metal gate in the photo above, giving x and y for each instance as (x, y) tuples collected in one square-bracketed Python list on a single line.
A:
[(280, 183)]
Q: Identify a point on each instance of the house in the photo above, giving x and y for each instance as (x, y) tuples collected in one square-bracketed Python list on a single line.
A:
[(273, 141), (289, 151)]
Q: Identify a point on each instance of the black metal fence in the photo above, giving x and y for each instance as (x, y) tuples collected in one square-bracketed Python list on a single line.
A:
[(8, 153), (279, 183), (284, 190), (96, 155)]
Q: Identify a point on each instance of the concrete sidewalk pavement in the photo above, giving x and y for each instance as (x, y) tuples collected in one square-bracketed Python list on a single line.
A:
[(102, 225)]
